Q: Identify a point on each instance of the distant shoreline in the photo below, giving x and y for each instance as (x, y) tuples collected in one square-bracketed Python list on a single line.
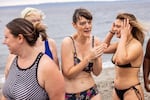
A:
[(41, 2)]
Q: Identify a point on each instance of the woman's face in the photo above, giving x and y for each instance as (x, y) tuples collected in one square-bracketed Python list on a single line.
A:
[(117, 27), (83, 26), (10, 41), (34, 18)]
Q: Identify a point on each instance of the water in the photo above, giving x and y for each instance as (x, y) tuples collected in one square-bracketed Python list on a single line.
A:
[(59, 20)]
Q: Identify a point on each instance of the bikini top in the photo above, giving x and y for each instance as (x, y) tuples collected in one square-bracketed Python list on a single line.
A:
[(89, 67), (125, 65)]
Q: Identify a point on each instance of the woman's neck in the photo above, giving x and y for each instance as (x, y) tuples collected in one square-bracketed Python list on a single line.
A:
[(82, 39)]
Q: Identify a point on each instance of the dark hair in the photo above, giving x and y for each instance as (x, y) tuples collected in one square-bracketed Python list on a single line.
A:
[(22, 26), (42, 31), (137, 29), (81, 12)]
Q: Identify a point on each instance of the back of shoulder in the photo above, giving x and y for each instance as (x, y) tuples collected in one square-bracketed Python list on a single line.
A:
[(51, 41), (66, 40), (46, 61)]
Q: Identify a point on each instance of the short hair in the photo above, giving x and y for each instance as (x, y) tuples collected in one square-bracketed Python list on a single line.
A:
[(81, 12)]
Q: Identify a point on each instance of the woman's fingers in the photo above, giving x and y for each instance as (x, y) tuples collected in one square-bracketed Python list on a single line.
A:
[(100, 49)]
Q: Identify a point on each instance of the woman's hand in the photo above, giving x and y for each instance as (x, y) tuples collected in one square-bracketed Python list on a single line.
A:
[(97, 51), (125, 29)]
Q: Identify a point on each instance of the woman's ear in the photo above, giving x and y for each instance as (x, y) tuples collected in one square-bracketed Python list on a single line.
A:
[(20, 38), (74, 25)]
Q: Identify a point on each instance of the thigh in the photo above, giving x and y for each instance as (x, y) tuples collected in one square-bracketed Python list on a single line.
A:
[(133, 95), (96, 97), (114, 95)]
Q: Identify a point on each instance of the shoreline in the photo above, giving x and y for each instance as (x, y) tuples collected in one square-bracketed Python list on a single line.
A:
[(105, 84)]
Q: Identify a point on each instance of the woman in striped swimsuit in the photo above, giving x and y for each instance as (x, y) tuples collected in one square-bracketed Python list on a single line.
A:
[(32, 75)]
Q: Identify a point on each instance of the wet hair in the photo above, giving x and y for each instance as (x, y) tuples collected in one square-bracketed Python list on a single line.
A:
[(81, 12), (137, 29), (22, 26), (29, 11)]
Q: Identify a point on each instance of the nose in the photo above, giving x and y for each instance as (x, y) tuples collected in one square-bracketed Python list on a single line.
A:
[(4, 41)]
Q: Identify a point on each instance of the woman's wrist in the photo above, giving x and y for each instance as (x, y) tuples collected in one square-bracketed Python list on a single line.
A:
[(111, 32)]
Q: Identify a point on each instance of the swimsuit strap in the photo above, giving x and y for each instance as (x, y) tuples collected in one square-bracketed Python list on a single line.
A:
[(137, 91), (92, 41), (75, 53)]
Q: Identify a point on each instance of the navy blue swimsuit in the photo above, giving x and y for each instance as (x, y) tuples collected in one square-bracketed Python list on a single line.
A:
[(47, 49)]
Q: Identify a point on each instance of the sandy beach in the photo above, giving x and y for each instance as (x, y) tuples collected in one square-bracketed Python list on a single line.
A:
[(105, 84)]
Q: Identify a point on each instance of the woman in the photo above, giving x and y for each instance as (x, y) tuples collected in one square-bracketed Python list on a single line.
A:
[(81, 56), (128, 56), (146, 67), (31, 75), (44, 44)]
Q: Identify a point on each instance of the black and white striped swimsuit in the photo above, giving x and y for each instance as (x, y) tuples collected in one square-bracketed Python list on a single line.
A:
[(22, 84)]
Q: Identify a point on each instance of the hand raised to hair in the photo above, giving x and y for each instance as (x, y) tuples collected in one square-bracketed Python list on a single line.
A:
[(125, 28)]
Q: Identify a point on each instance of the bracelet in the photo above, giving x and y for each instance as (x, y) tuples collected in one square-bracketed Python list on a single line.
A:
[(112, 32)]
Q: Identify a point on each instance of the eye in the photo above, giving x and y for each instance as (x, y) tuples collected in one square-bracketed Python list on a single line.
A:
[(82, 23), (89, 22)]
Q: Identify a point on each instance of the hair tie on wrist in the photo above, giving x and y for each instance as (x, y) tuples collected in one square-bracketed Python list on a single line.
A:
[(112, 32)]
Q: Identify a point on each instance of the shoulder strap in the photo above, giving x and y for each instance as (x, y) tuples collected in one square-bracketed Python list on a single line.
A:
[(92, 41), (75, 53), (39, 57)]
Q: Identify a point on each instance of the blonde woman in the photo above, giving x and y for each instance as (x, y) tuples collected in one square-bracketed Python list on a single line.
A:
[(128, 56)]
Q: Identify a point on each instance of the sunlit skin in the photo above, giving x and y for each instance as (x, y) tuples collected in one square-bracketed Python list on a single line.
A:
[(126, 50), (83, 27), (10, 41), (76, 79), (26, 54)]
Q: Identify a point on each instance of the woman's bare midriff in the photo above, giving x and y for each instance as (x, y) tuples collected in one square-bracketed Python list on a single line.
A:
[(80, 83), (126, 77)]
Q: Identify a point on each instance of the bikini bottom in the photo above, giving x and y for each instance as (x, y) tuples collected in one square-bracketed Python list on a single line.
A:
[(120, 93), (84, 95)]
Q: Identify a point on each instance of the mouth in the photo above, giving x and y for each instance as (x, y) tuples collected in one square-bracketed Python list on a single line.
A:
[(87, 31)]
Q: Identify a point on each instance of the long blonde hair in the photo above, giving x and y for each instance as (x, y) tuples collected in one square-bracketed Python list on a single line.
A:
[(138, 30)]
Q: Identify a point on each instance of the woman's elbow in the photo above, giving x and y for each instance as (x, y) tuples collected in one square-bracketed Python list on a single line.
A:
[(96, 73)]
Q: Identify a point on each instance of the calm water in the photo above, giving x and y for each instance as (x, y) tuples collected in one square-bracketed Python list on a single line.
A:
[(59, 20)]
